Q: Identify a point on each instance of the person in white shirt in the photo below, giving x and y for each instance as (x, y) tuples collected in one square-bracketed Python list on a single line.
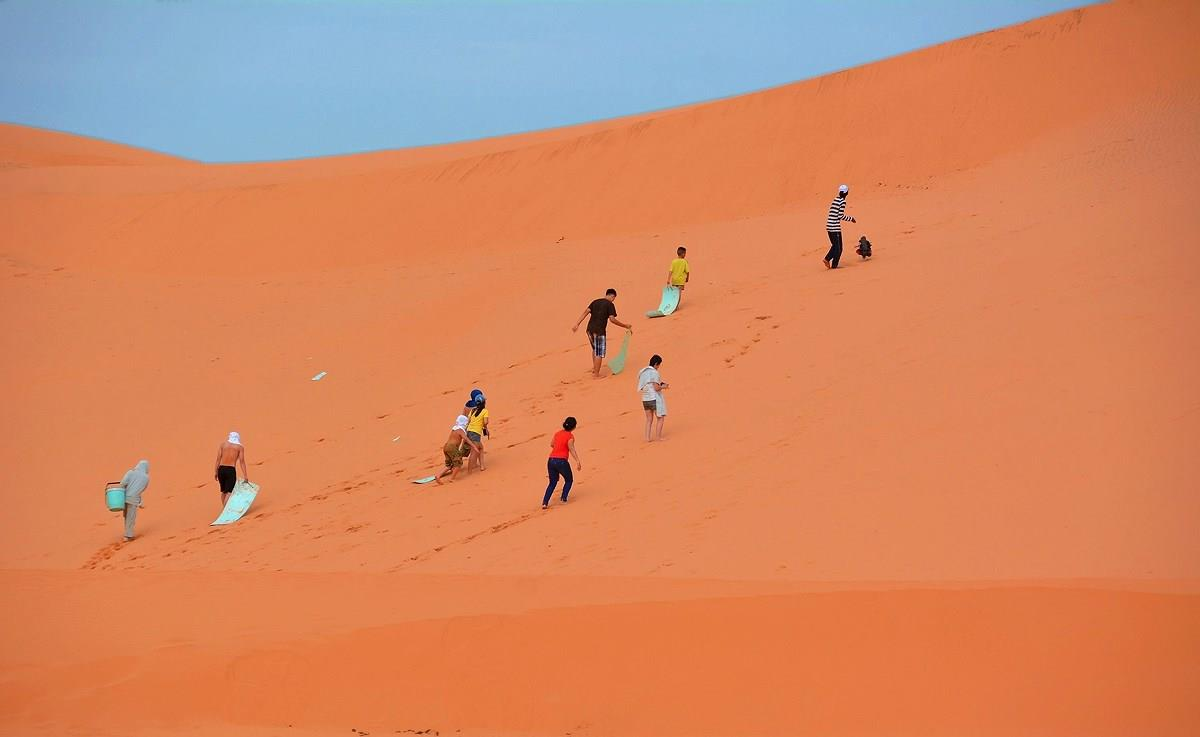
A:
[(651, 386)]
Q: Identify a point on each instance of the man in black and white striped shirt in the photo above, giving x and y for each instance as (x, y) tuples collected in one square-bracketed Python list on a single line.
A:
[(833, 227)]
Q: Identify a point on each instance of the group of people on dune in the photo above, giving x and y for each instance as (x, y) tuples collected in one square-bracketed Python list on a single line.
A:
[(463, 449), (466, 435)]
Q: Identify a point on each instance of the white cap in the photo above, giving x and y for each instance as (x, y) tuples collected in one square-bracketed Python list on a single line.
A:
[(460, 423), (843, 189), (235, 438)]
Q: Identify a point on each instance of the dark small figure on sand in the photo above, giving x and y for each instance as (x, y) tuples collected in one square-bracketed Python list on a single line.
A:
[(864, 248)]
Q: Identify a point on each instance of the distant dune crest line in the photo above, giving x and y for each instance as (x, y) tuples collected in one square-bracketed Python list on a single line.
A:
[(903, 122)]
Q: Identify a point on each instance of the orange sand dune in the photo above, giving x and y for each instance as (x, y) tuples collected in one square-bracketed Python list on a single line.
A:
[(21, 146), (947, 491)]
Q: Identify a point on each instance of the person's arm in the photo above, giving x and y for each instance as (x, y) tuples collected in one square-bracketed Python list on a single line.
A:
[(242, 462), (462, 434), (849, 218), (217, 462), (668, 277), (613, 319), (571, 447), (582, 317), (486, 432)]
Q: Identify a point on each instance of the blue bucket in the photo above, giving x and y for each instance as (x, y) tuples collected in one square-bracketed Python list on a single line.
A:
[(115, 498)]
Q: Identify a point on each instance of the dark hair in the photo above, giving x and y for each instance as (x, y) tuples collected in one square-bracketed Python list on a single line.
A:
[(611, 291), (681, 250), (569, 424), (479, 406), (655, 359)]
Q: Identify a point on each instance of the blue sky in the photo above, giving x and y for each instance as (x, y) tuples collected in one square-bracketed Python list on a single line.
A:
[(240, 80)]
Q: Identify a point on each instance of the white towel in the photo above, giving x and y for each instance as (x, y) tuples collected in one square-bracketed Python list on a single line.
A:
[(647, 376)]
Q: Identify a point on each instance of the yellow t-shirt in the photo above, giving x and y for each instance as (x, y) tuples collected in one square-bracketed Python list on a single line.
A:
[(679, 272), (475, 421)]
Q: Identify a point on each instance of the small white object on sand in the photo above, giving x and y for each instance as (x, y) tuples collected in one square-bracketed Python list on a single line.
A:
[(319, 376)]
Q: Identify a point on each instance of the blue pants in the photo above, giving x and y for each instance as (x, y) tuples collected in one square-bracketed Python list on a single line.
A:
[(558, 467)]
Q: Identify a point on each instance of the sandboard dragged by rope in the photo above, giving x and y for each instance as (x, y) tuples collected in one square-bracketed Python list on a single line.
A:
[(617, 363), (426, 480), (238, 504), (668, 303)]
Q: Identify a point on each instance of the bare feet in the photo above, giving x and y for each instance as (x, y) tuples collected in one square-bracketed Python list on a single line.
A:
[(545, 506), (826, 262)]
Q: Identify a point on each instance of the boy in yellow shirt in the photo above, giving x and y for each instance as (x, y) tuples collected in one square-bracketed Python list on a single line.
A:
[(678, 275)]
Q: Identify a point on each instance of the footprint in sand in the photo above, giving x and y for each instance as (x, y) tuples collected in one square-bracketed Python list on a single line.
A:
[(103, 555)]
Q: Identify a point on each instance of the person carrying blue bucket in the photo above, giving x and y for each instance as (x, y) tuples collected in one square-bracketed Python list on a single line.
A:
[(134, 482)]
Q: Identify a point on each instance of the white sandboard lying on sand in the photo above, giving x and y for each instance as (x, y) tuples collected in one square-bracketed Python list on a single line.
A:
[(616, 364), (668, 303), (426, 480), (238, 504)]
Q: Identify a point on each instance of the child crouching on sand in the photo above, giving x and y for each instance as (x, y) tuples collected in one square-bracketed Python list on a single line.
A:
[(453, 449)]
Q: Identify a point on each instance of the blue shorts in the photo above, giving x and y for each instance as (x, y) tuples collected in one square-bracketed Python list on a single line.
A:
[(599, 345)]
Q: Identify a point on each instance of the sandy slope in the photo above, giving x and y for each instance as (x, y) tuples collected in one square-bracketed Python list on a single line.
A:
[(948, 491)]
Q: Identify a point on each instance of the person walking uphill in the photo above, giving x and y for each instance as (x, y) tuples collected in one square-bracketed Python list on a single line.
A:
[(680, 273), (477, 427), (833, 227), (135, 482), (598, 314), (562, 447), (231, 452)]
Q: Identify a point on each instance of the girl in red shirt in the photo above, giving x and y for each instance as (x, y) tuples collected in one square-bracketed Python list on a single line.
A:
[(562, 448)]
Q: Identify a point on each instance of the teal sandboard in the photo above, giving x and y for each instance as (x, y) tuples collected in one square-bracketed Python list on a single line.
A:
[(617, 363), (670, 300), (238, 504), (426, 480)]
